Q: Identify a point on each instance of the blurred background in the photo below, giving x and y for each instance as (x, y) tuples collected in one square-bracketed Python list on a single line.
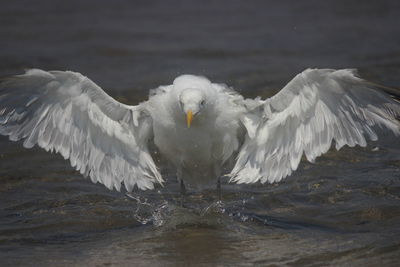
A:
[(128, 47), (342, 210)]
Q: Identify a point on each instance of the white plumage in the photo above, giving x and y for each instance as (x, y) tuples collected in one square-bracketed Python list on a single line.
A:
[(197, 125)]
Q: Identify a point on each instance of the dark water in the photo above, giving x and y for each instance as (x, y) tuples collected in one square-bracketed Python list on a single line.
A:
[(342, 210)]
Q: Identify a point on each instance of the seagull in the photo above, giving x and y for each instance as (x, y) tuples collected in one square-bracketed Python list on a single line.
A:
[(200, 127)]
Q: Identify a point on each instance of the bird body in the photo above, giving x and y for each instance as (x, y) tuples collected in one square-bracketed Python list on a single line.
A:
[(198, 152), (197, 125)]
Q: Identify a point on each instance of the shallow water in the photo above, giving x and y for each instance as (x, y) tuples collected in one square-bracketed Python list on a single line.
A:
[(343, 209)]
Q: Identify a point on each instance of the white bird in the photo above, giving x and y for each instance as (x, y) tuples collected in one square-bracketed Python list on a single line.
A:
[(195, 124)]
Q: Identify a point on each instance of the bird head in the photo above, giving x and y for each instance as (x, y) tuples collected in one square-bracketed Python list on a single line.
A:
[(192, 102)]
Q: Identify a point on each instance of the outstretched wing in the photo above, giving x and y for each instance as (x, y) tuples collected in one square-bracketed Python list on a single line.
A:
[(68, 113), (316, 107)]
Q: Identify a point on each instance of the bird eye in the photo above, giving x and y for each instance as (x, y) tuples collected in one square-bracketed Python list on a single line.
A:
[(202, 102)]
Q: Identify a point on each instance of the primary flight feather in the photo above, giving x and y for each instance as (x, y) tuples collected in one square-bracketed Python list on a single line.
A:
[(197, 125)]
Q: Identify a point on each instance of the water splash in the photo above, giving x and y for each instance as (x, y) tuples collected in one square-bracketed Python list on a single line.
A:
[(193, 211)]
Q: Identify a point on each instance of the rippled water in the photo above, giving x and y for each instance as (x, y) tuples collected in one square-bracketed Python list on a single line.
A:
[(344, 209)]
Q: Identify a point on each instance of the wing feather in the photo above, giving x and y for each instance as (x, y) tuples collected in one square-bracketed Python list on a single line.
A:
[(314, 109), (67, 113)]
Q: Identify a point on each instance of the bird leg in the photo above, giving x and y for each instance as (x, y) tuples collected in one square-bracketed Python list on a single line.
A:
[(183, 192), (219, 188), (183, 188), (217, 173), (179, 175)]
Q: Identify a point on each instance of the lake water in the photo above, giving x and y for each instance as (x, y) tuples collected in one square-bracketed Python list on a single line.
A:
[(342, 210)]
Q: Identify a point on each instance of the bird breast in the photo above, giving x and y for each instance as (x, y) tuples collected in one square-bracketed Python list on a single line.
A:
[(182, 145)]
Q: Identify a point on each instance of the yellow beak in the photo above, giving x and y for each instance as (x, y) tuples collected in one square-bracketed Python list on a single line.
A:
[(189, 118)]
